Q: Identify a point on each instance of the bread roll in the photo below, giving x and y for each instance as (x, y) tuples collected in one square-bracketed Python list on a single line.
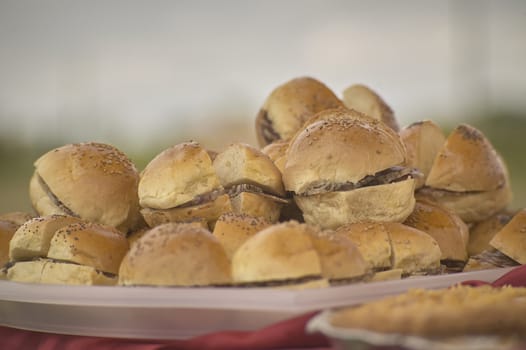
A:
[(176, 255), (93, 181)]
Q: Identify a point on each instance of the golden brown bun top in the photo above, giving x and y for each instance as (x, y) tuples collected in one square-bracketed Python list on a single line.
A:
[(340, 150), (365, 100), (176, 176), (481, 233), (278, 252), (16, 217), (32, 239), (95, 181), (176, 255), (290, 105), (241, 163), (467, 162), (7, 230), (90, 244), (451, 233), (340, 258), (423, 140), (511, 239), (233, 229)]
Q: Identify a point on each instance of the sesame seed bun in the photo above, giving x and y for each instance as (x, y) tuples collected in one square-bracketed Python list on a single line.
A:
[(93, 181), (176, 255)]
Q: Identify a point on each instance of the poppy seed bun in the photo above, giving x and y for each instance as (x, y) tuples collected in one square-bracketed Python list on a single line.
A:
[(176, 255), (279, 252), (46, 271), (176, 176), (365, 100), (511, 239), (16, 217), (93, 181), (316, 153), (289, 105), (32, 239), (90, 244), (423, 140)]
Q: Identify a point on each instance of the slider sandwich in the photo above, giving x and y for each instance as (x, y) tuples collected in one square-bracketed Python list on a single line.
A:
[(293, 254), (349, 169), (175, 254), (450, 232), (393, 246), (251, 180), (92, 181), (511, 239), (179, 185), (78, 253), (482, 255), (289, 105), (423, 140), (468, 176), (363, 99)]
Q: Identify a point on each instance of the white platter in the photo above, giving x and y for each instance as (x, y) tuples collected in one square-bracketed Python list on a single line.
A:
[(177, 313)]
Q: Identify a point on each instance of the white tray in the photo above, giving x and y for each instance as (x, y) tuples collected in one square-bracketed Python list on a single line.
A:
[(175, 313)]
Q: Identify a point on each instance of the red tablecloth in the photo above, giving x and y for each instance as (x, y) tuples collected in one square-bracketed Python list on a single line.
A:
[(288, 334)]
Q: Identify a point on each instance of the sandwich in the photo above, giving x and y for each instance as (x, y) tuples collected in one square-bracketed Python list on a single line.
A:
[(174, 254), (511, 239), (289, 105), (180, 184), (468, 176), (423, 140), (92, 181), (79, 253), (450, 232), (349, 169), (363, 99), (291, 254), (394, 246), (251, 180)]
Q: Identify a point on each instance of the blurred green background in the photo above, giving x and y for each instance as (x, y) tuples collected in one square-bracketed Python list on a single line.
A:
[(504, 130)]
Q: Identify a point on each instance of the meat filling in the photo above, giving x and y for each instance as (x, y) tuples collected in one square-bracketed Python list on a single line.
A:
[(55, 199), (267, 130), (203, 198), (387, 176), (237, 189)]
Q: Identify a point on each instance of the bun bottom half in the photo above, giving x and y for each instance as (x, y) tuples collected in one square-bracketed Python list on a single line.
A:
[(392, 202)]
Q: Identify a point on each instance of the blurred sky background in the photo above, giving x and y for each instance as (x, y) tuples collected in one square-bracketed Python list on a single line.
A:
[(144, 75)]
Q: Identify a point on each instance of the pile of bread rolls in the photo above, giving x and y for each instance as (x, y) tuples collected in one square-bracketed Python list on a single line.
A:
[(334, 192)]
